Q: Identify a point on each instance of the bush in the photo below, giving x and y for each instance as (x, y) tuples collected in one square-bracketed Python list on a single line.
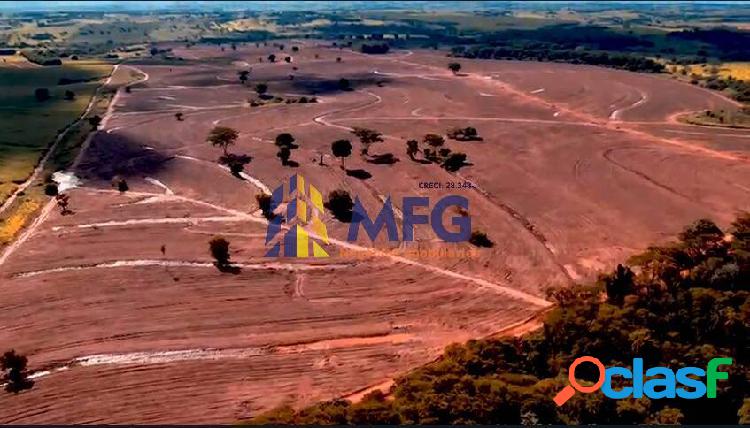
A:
[(50, 189), (480, 239), (219, 248), (264, 203), (13, 372)]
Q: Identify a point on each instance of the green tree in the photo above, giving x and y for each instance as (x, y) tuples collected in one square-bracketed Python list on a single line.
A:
[(341, 149), (14, 374), (222, 136), (434, 140), (243, 76), (367, 137)]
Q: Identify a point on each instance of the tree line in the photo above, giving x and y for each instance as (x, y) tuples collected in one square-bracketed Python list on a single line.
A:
[(676, 305)]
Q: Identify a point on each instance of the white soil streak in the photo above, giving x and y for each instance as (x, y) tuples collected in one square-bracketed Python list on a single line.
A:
[(142, 221), (537, 91), (617, 113), (294, 267), (66, 181), (157, 183), (257, 183), (167, 356)]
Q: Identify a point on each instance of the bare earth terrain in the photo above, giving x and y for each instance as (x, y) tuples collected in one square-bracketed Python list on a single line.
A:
[(579, 168)]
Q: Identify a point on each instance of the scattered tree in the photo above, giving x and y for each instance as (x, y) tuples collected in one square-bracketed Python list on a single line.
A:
[(261, 89), (454, 67), (272, 58), (288, 59), (122, 185), (412, 148), (338, 59), (464, 134), (219, 248), (14, 373), (70, 95), (341, 149), (340, 204), (264, 203), (367, 137), (285, 140), (295, 48), (50, 189), (179, 116), (454, 161), (222, 136), (434, 140), (243, 76)]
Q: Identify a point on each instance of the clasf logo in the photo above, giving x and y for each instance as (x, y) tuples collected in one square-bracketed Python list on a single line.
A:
[(386, 218), (662, 382)]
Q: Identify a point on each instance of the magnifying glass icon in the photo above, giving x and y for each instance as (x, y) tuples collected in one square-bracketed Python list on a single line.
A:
[(566, 393)]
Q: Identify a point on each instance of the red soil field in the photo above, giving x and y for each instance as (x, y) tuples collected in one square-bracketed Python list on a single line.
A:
[(579, 167)]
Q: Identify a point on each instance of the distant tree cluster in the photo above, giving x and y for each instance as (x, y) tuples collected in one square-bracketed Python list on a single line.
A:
[(550, 53), (674, 306), (382, 48)]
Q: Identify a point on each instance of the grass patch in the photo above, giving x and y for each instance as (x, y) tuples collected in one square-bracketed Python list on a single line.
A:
[(30, 126)]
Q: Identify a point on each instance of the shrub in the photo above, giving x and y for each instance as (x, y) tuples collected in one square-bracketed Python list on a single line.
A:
[(50, 189), (480, 239), (219, 248)]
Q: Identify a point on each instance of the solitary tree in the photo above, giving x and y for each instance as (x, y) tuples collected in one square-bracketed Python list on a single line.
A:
[(340, 204), (412, 147), (261, 88), (338, 59), (367, 137), (272, 58), (122, 185), (454, 67), (295, 48), (480, 239), (243, 75), (70, 95), (222, 136), (342, 149), (178, 116), (288, 59), (14, 374), (219, 248)]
